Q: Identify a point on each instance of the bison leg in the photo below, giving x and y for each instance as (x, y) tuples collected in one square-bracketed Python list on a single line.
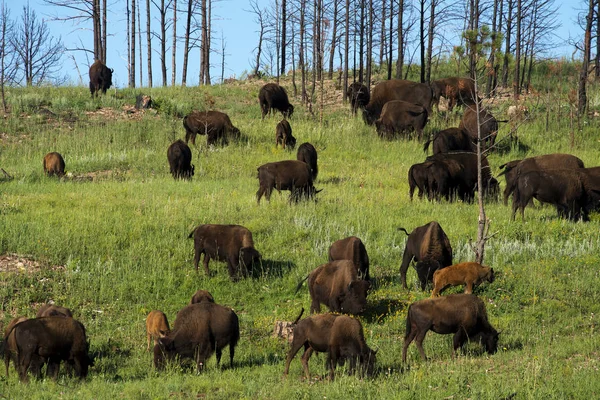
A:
[(53, 367), (419, 341), (149, 336), (231, 353), (315, 306), (24, 359), (406, 259), (232, 267), (296, 345), (219, 353), (459, 340), (205, 262), (410, 336), (469, 287), (305, 357), (332, 357)]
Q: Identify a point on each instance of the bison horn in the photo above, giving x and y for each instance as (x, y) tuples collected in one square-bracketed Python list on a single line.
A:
[(112, 70)]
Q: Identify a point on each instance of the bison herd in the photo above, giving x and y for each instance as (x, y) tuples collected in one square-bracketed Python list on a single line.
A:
[(204, 327)]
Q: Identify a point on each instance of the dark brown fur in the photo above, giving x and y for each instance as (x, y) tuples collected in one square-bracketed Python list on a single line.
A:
[(397, 89), (215, 124), (10, 344), (100, 78), (351, 248), (230, 243), (199, 330), (157, 326), (308, 154), (54, 164), (359, 96), (399, 116), (179, 155), (49, 310), (418, 178), (429, 246), (461, 314), (291, 175), (283, 135), (202, 296), (274, 97), (451, 139), (340, 336), (487, 122), (458, 91), (469, 274)]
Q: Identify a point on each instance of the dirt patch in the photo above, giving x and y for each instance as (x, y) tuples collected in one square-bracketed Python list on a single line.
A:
[(15, 263), (126, 112), (109, 174)]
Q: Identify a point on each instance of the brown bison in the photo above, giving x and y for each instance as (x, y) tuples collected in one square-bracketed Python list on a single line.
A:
[(199, 331), (351, 248), (10, 347), (487, 123), (274, 97), (230, 243), (467, 273), (572, 192), (399, 116), (340, 336), (291, 175), (429, 246), (214, 124), (461, 314), (451, 139), (49, 310), (157, 326), (54, 339), (100, 78), (359, 96), (336, 284), (54, 164), (458, 91), (418, 178), (539, 163), (283, 135), (179, 155), (308, 154), (202, 296), (397, 89)]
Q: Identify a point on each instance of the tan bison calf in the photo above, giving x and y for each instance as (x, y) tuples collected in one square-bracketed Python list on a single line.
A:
[(157, 326), (54, 164), (467, 273)]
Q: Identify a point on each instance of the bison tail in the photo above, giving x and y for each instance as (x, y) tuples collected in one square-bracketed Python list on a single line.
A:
[(299, 315), (426, 146), (404, 230), (408, 322), (300, 284), (191, 235)]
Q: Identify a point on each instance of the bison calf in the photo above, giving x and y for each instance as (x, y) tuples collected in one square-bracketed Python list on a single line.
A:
[(179, 155), (466, 273), (157, 326), (340, 336), (54, 164), (461, 314), (351, 248), (308, 154), (291, 175), (283, 135), (215, 125), (202, 296)]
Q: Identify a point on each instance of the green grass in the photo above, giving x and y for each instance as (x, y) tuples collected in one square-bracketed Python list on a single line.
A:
[(121, 240)]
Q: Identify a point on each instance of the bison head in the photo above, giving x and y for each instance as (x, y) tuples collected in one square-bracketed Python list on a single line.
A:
[(163, 350), (354, 300), (425, 270), (368, 359), (490, 340), (368, 116), (248, 256), (288, 113)]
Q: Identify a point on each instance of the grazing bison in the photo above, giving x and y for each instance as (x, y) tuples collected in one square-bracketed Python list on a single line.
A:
[(467, 273), (539, 163), (49, 310), (215, 124), (291, 175), (359, 96), (199, 331), (283, 135), (399, 116), (179, 155), (308, 154), (340, 336), (418, 178), (451, 139), (336, 284), (10, 347), (429, 246), (202, 296), (458, 91), (487, 123), (157, 326), (571, 191), (351, 248), (100, 78), (54, 164), (54, 339), (461, 314), (230, 243), (274, 97), (397, 89)]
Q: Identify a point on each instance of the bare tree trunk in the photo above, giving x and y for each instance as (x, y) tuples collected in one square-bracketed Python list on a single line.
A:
[(333, 37), (222, 57), (128, 42), (492, 61), (400, 61), (507, 48), (516, 85), (132, 66), (139, 30), (301, 55), (103, 44), (174, 45), (149, 43), (597, 61), (482, 222), (382, 40), (283, 34), (209, 39), (361, 50), (294, 59), (583, 73), (163, 42), (422, 37), (203, 40), (346, 50), (369, 47), (391, 47), (432, 23), (98, 29), (186, 46)]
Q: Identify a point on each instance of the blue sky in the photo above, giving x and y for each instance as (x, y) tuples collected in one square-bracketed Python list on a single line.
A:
[(231, 19)]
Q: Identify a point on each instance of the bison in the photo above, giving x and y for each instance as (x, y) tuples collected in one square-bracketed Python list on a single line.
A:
[(539, 163), (340, 336), (397, 89), (49, 310), (10, 347), (230, 243), (458, 91), (157, 326), (399, 116), (54, 339), (283, 135), (451, 139), (199, 331), (418, 178), (351, 248), (461, 314), (100, 78), (202, 296), (308, 154), (359, 96), (54, 164), (215, 124), (179, 155), (488, 126), (291, 175), (429, 246), (336, 284), (274, 97), (466, 273)]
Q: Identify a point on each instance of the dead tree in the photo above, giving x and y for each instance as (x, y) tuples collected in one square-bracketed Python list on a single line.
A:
[(583, 73), (149, 42)]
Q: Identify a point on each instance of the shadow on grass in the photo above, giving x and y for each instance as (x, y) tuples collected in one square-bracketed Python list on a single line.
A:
[(272, 268), (510, 144), (109, 357), (255, 360), (334, 180), (379, 310)]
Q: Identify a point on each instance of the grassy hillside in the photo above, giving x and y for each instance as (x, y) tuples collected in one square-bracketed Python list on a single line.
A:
[(110, 242)]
